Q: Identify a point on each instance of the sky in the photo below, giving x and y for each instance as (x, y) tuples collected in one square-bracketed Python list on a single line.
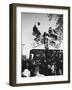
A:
[(27, 22)]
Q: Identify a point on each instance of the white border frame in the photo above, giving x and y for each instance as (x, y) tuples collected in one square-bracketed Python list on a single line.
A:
[(63, 77)]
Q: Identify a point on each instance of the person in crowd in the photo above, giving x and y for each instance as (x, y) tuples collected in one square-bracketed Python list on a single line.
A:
[(43, 67), (37, 72), (26, 68), (49, 70), (53, 68), (26, 73)]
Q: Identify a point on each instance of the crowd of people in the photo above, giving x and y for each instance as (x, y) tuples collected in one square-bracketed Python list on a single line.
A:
[(42, 63)]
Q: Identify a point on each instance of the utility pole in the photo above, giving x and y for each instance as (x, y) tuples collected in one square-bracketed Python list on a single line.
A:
[(22, 47)]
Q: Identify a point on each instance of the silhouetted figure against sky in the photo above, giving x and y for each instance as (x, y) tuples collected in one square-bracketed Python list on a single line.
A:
[(36, 31), (45, 37), (52, 33)]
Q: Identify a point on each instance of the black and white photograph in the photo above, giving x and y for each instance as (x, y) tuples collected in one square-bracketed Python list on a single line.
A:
[(42, 44)]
